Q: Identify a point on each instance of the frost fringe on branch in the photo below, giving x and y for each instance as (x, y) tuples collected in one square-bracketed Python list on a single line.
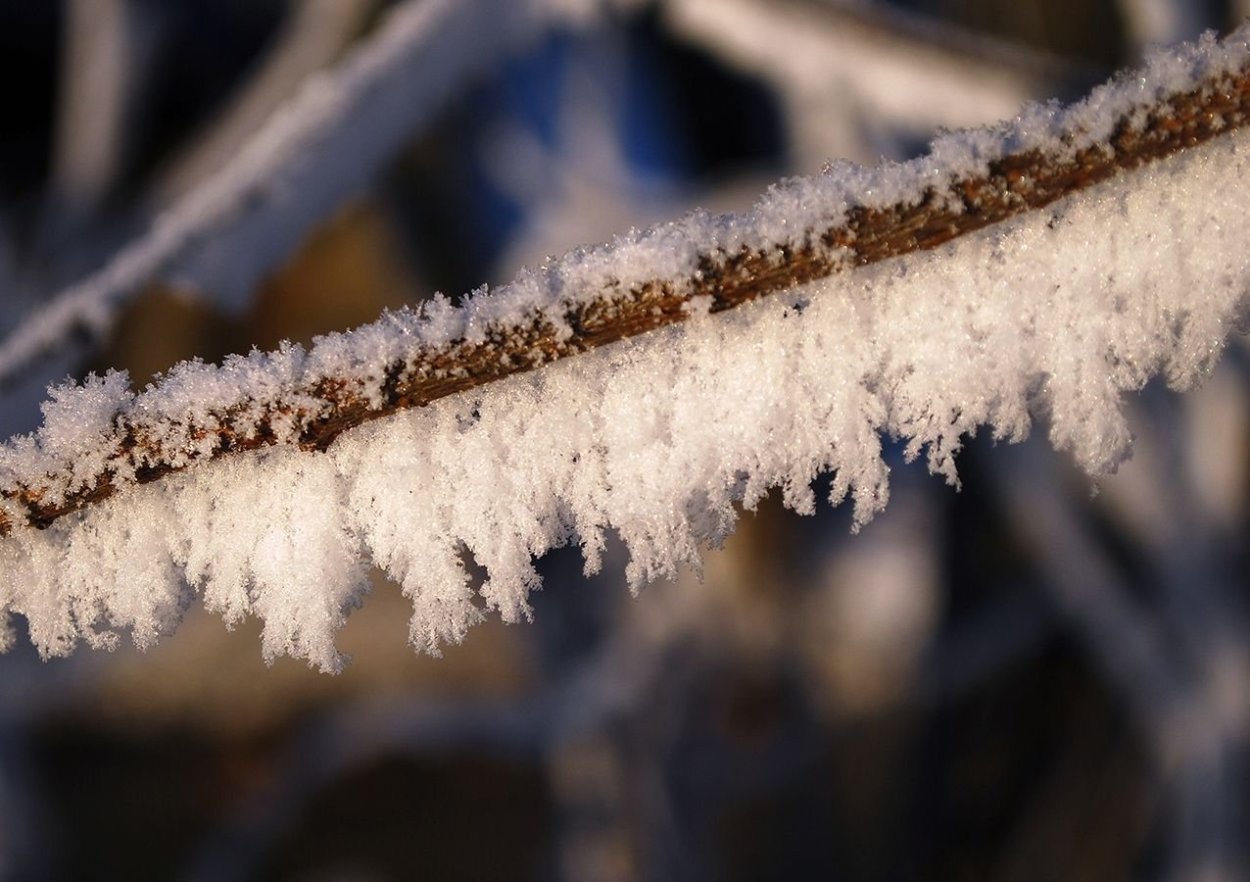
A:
[(980, 309)]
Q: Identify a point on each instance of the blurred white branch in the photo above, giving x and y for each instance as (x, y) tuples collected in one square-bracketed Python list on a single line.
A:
[(858, 82), (319, 148), (1176, 688), (1162, 22), (315, 34), (97, 67)]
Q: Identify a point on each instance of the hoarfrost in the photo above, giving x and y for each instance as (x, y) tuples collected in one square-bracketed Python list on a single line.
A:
[(660, 439)]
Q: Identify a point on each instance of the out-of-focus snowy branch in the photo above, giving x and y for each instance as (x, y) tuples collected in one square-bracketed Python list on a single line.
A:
[(311, 153), (315, 34), (1171, 652), (861, 82), (1162, 22), (97, 80)]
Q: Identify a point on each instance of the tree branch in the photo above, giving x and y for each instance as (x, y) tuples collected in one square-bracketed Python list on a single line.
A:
[(1024, 172)]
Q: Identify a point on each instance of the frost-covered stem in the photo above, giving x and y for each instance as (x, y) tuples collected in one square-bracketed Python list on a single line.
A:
[(311, 414)]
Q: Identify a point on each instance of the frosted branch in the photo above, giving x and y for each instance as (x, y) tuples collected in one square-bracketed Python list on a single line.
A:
[(586, 302), (921, 300)]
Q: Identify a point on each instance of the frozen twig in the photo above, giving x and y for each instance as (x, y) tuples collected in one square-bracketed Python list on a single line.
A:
[(658, 438), (443, 351)]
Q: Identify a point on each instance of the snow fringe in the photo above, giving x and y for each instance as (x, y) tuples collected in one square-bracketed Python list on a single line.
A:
[(1057, 311)]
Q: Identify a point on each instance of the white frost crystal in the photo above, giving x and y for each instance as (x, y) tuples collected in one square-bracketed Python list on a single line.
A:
[(1056, 313)]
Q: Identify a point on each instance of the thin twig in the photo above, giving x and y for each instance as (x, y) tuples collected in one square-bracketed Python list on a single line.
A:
[(321, 410)]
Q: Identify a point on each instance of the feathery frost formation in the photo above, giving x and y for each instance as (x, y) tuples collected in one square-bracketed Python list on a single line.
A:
[(1056, 312)]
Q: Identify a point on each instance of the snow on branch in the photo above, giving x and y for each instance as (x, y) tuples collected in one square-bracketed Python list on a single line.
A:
[(268, 484)]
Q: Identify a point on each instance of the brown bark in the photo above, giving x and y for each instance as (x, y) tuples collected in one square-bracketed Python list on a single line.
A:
[(1016, 183)]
